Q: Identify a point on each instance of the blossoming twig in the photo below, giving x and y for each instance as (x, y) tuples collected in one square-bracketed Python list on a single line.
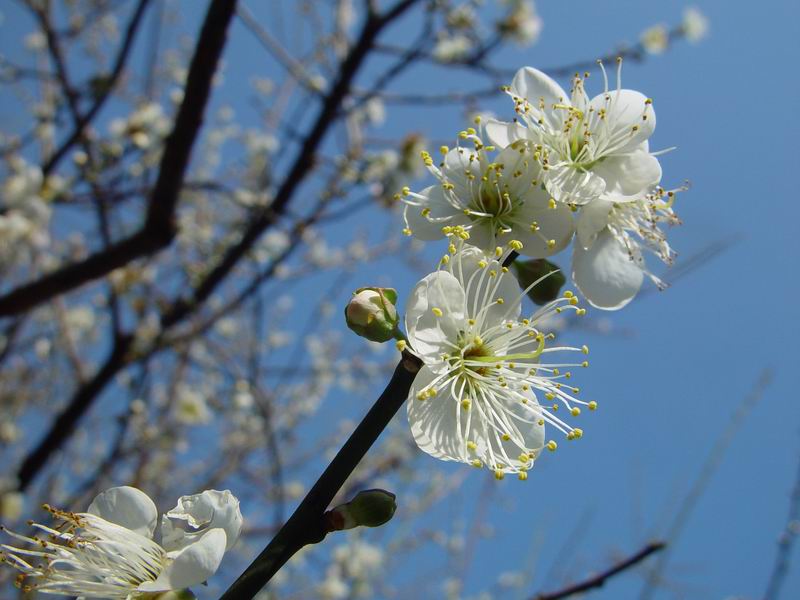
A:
[(306, 525)]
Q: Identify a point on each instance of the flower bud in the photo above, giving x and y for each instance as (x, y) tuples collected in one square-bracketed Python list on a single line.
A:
[(371, 313), (369, 508), (548, 288)]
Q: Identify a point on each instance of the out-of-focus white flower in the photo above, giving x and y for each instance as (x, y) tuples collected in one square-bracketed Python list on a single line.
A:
[(11, 504), (495, 198), (145, 127), (333, 587), (695, 24), (452, 48), (588, 149), (109, 552), (522, 24), (607, 262), (475, 398), (655, 39), (191, 407)]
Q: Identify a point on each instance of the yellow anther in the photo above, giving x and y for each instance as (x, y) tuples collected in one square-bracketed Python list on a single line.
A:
[(492, 273), (476, 463), (451, 248), (592, 405), (504, 269), (578, 433), (571, 435), (585, 349), (580, 312), (437, 311), (551, 203), (406, 190), (465, 404), (523, 458), (421, 395), (498, 474), (425, 211), (444, 149), (540, 422), (472, 446), (498, 252), (499, 301), (477, 120), (407, 231), (551, 244), (534, 226), (550, 395), (471, 321), (568, 294), (401, 345), (575, 411), (522, 475), (573, 301), (551, 445), (585, 364), (505, 437), (445, 259), (556, 372), (482, 264), (515, 245)]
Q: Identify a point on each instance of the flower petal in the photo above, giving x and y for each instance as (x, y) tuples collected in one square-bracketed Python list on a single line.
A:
[(434, 421), (572, 185), (441, 213), (624, 111), (606, 274), (191, 565), (540, 90), (482, 288), (629, 176), (503, 134), (592, 218), (553, 224), (128, 507), (428, 333), (194, 515)]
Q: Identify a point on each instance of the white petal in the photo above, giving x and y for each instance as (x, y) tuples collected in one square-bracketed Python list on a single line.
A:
[(593, 217), (624, 111), (482, 290), (428, 333), (191, 565), (196, 514), (554, 224), (606, 274), (434, 421), (441, 213), (538, 88), (570, 185), (128, 507), (503, 134), (629, 176)]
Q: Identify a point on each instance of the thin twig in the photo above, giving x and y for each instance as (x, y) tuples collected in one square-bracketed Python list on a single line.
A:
[(780, 567), (600, 579), (306, 525)]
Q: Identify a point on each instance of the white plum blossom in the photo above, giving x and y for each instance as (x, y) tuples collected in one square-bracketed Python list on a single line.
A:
[(607, 264), (109, 552), (695, 24), (479, 396), (655, 39), (495, 198), (588, 149)]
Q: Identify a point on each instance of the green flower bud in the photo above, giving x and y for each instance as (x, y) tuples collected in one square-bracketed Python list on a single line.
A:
[(371, 313), (369, 508), (548, 288)]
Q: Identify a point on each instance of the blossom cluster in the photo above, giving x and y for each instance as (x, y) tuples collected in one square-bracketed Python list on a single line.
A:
[(567, 168)]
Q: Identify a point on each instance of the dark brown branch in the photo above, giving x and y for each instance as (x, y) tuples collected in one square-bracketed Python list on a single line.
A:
[(306, 525), (159, 228), (600, 579), (301, 167)]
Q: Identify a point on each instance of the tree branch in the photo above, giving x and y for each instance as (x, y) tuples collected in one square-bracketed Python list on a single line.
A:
[(600, 579), (306, 525), (159, 228)]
